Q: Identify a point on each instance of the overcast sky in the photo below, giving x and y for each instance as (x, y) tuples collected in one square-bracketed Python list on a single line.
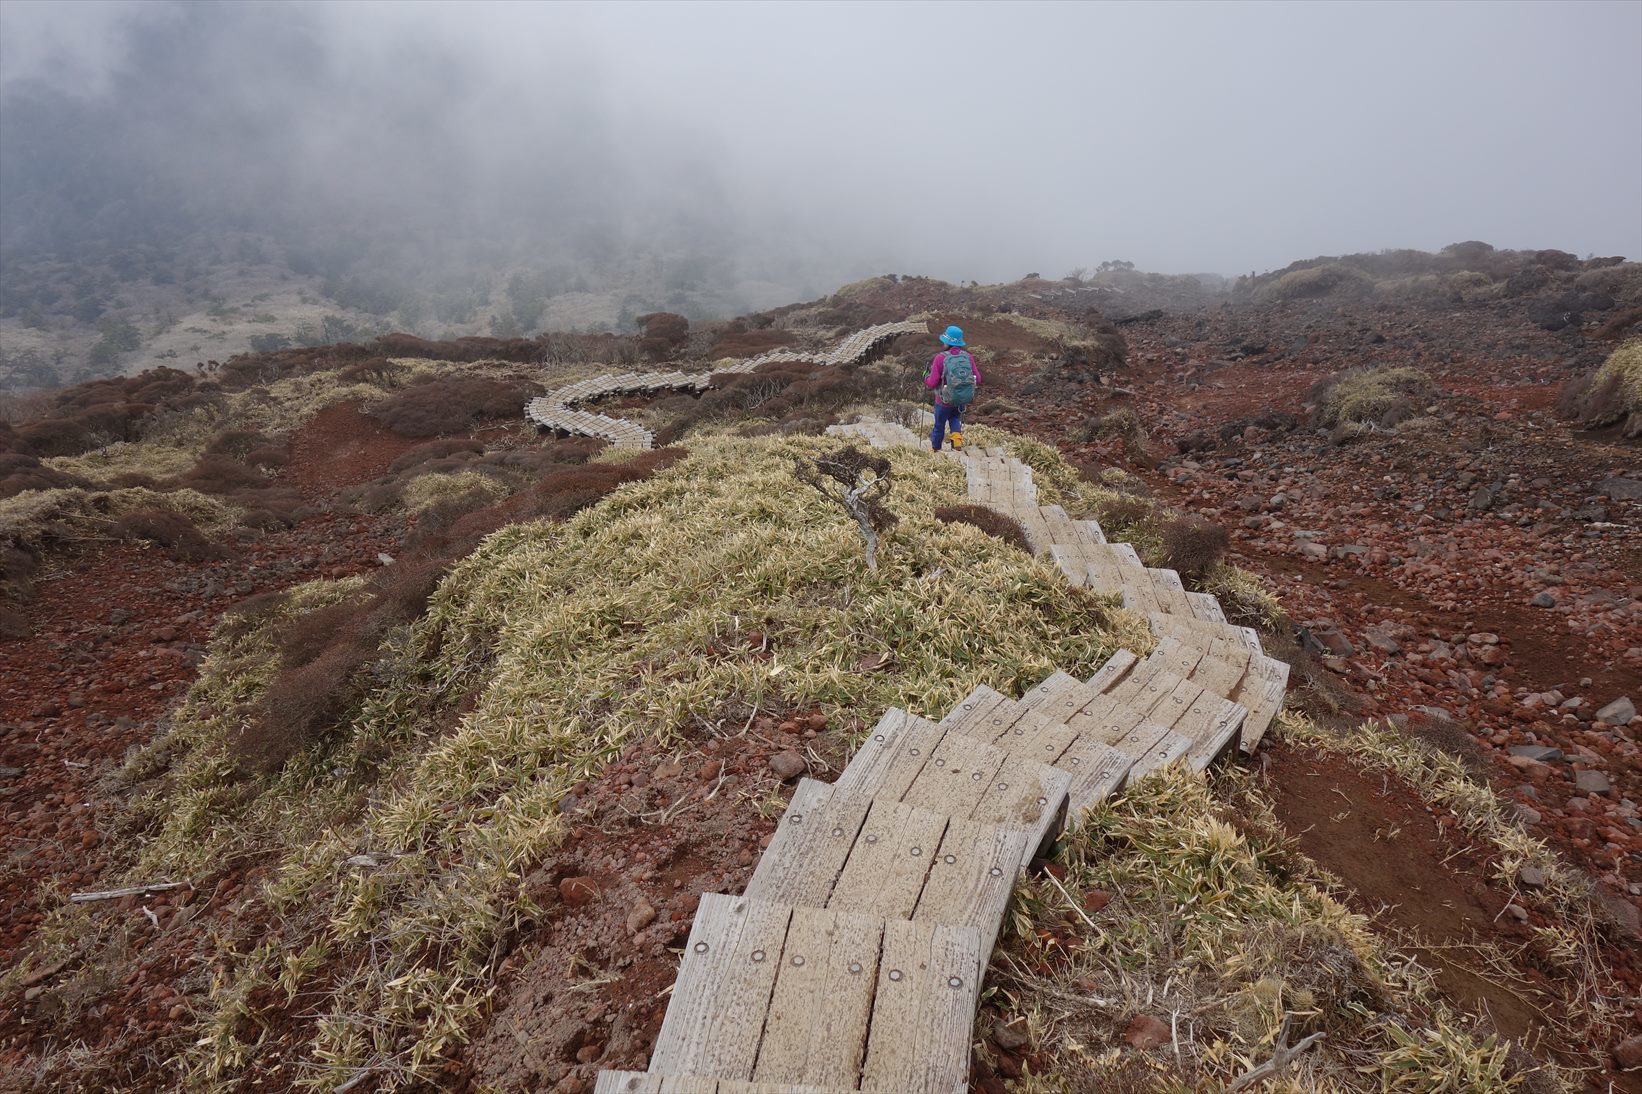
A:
[(961, 140)]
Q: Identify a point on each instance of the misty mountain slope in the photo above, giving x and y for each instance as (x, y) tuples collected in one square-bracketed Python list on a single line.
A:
[(446, 721)]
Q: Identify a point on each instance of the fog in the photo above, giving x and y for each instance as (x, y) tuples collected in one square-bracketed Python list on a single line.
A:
[(806, 143)]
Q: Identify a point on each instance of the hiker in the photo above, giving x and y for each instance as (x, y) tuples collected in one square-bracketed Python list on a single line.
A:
[(953, 376)]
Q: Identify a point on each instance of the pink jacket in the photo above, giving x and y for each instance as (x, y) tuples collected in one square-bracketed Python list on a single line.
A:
[(937, 366)]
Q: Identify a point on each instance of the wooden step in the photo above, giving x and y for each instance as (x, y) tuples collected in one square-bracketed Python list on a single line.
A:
[(644, 1082), (891, 860), (1097, 769), (919, 762), (770, 993)]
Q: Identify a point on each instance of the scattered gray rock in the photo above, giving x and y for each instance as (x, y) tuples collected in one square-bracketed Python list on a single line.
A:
[(1543, 600), (1620, 488), (1311, 550), (1010, 1036), (1484, 498), (1617, 713), (1591, 782), (1527, 814), (1541, 753), (1531, 877)]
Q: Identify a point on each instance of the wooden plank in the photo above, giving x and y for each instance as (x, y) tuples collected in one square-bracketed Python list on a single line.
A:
[(891, 757), (1105, 572), (1114, 670), (1264, 699), (1059, 696), (1174, 703), (972, 877), (928, 987), (1035, 736), (723, 989), (1171, 593), (816, 1030), (1068, 558), (1210, 724), (958, 775), (1138, 594), (1162, 752), (1139, 741), (805, 857), (1097, 770), (981, 714), (887, 866), (644, 1082), (1025, 795)]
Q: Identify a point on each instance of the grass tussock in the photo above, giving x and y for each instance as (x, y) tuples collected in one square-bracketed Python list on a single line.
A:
[(1381, 397), (1218, 929), (451, 403), (571, 640), (429, 490), (988, 520), (1610, 396)]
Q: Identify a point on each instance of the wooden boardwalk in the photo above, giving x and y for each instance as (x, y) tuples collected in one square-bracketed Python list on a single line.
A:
[(556, 410), (855, 957)]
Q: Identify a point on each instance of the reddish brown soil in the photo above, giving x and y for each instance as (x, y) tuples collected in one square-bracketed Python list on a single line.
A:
[(585, 988), (119, 630), (340, 447)]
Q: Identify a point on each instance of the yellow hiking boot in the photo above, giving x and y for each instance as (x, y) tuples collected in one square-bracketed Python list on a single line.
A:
[(957, 441)]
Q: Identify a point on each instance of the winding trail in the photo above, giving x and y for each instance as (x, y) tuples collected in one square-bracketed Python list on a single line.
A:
[(556, 410), (855, 957)]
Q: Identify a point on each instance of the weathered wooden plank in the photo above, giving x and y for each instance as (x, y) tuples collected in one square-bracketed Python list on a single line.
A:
[(928, 986), (1140, 740), (978, 715), (1069, 559), (1059, 696), (805, 857), (972, 876), (719, 1000), (1162, 752), (1026, 795), (886, 869), (1171, 593), (1114, 670), (1264, 699), (891, 756), (1210, 724), (1098, 770), (1173, 704), (816, 1030), (1138, 594), (958, 775)]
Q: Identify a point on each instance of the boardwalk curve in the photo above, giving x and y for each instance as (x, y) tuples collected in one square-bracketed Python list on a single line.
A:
[(556, 410), (855, 957)]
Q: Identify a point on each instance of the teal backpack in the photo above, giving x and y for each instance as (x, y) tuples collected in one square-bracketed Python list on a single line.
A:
[(957, 379)]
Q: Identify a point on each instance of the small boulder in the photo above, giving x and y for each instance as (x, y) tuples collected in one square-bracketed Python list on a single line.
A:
[(1531, 877), (1539, 753), (1628, 1053), (788, 765), (1591, 782), (576, 891), (1617, 713), (1010, 1036), (1543, 600), (641, 916)]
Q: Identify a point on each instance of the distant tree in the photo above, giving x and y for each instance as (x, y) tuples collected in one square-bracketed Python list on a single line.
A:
[(1112, 265)]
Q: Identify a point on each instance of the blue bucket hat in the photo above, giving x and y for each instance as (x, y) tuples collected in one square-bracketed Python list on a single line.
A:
[(954, 336)]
